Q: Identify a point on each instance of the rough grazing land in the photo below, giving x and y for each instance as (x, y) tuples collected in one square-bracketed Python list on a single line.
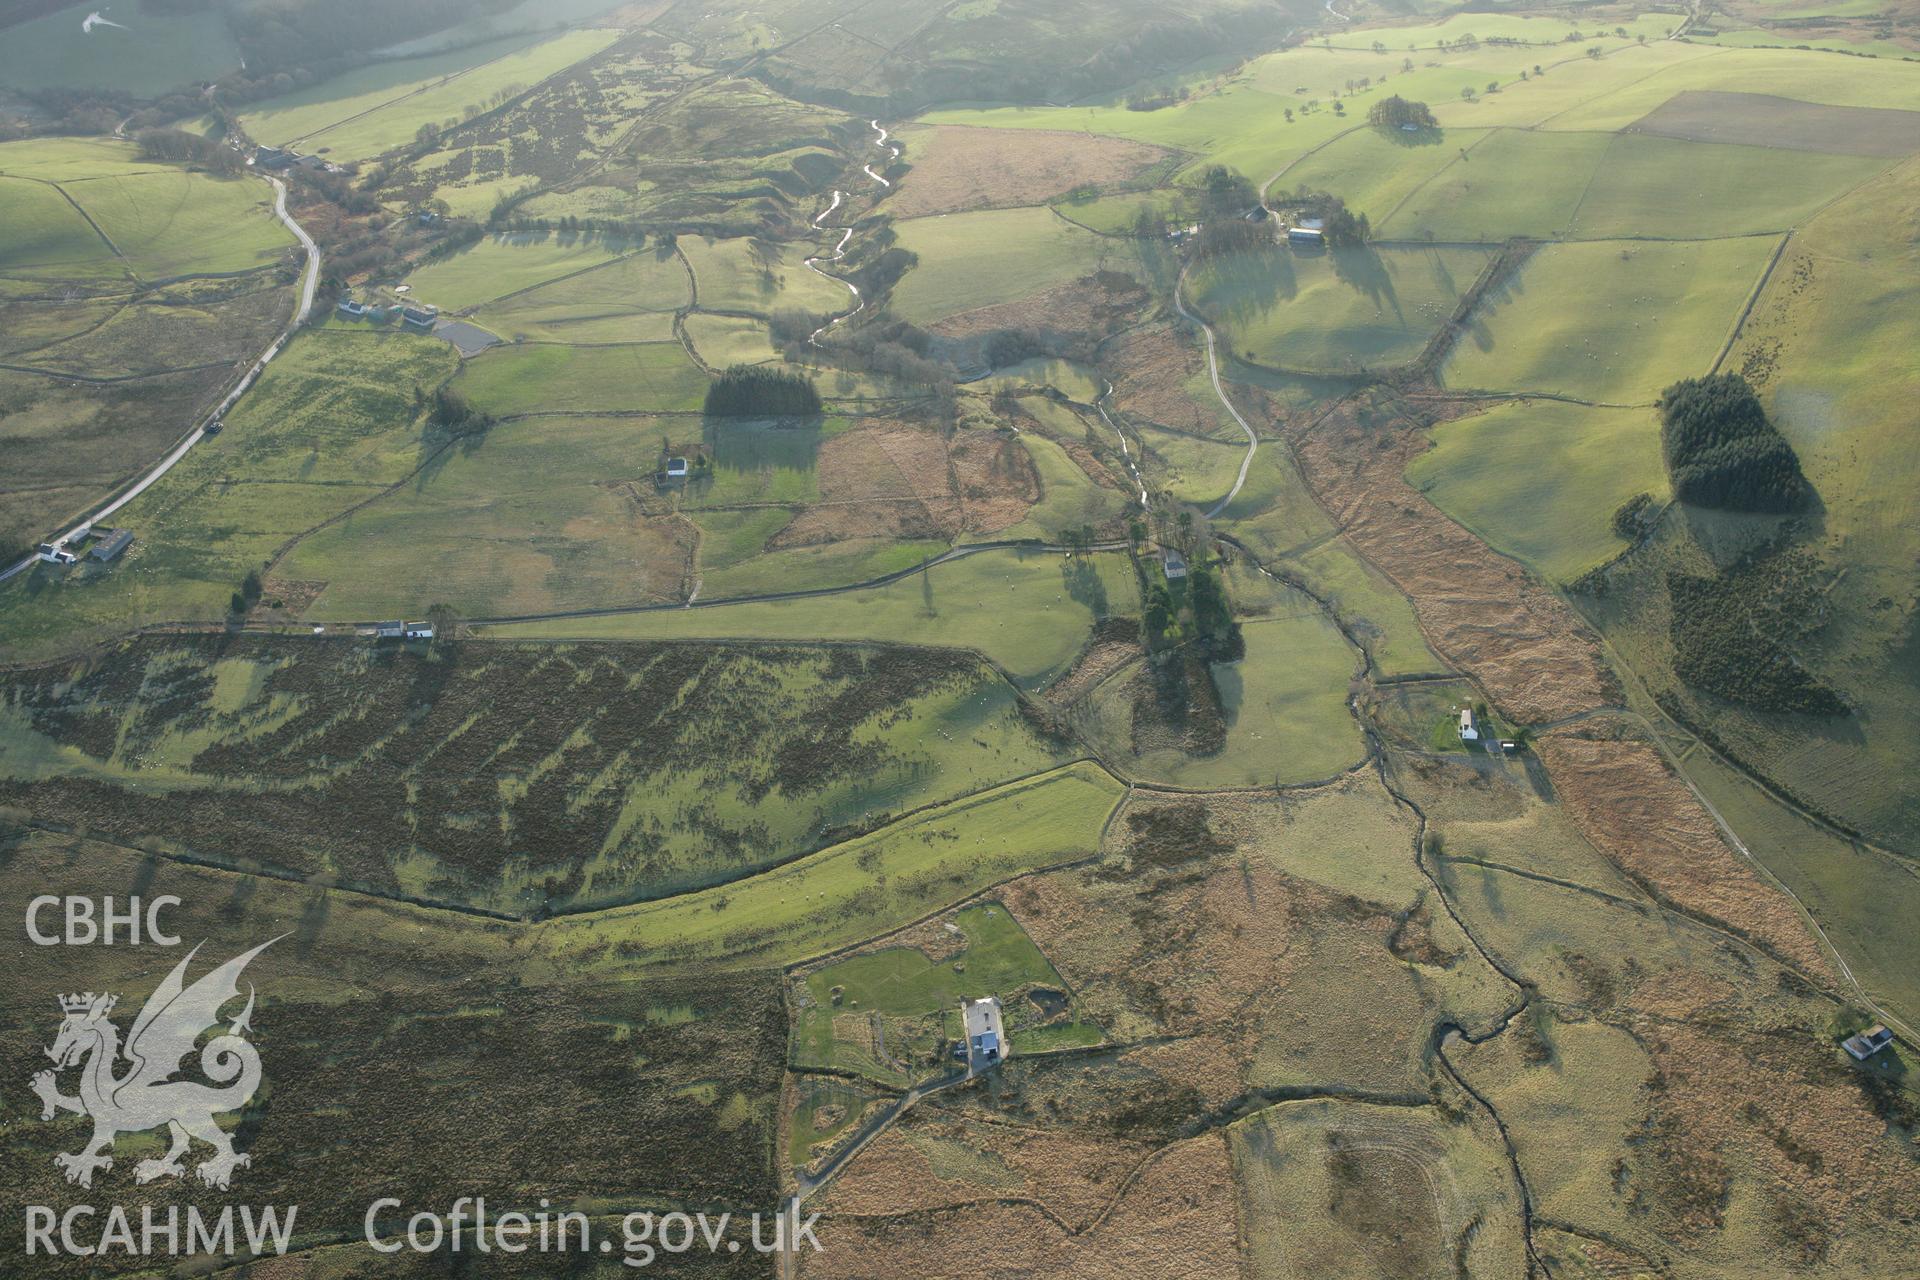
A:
[(1176, 1219), (411, 1053), (1762, 120), (1152, 371), (1640, 814), (502, 775), (1525, 647), (1092, 305), (956, 167)]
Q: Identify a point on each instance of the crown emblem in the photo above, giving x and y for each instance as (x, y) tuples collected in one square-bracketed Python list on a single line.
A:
[(82, 1003)]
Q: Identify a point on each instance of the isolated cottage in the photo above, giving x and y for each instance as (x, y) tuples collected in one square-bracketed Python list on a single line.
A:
[(677, 468), (1173, 564), (1468, 733)]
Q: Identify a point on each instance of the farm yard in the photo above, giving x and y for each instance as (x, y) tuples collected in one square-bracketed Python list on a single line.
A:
[(1350, 570)]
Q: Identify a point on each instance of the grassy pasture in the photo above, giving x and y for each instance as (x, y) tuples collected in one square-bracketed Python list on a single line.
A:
[(632, 294), (1069, 497), (1608, 321), (722, 341), (1284, 704), (1512, 182), (57, 159), (161, 48), (514, 263), (727, 278), (645, 377), (46, 237), (1335, 310), (973, 260), (820, 565), (1648, 186), (535, 516), (1029, 612), (174, 224), (854, 890), (376, 109), (1786, 73), (1375, 171), (1569, 80), (1541, 479)]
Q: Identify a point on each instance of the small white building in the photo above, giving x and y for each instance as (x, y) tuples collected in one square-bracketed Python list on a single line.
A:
[(677, 468), (418, 631), (1173, 564), (1468, 732)]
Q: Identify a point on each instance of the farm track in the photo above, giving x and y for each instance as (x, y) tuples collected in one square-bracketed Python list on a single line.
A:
[(1213, 372), (302, 309)]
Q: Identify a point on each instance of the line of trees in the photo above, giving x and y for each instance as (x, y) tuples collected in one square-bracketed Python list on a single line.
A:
[(1722, 452)]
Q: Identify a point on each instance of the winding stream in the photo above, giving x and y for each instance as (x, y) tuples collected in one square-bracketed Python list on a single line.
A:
[(839, 250)]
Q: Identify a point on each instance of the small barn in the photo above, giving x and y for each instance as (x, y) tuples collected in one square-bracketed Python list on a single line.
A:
[(111, 543), (420, 318), (1306, 237)]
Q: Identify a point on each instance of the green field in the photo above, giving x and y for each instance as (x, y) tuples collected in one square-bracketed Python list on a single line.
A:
[(1027, 611), (723, 341), (1512, 182), (1808, 76), (175, 224), (728, 277), (629, 300), (832, 898), (515, 264), (1647, 186), (1375, 171), (157, 47), (1608, 321), (1335, 310), (1284, 705), (533, 517), (47, 237), (1541, 479), (973, 260), (647, 377), (376, 109)]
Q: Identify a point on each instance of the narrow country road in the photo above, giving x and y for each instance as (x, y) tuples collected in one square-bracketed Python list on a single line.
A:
[(309, 283), (1213, 372)]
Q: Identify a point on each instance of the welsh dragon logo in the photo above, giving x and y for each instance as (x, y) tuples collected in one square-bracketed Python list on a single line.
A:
[(145, 1094)]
